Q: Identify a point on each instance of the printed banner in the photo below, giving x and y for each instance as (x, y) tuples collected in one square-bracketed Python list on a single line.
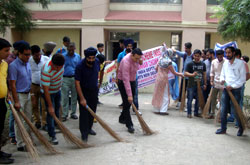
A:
[(223, 47), (146, 74)]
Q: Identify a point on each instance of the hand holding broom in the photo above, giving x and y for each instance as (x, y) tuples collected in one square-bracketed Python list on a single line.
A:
[(143, 124), (24, 134)]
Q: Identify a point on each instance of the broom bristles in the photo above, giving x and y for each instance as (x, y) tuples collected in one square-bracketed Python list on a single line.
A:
[(200, 96), (183, 99), (207, 106), (144, 126), (68, 136), (40, 137), (238, 110), (24, 134), (104, 125), (217, 116)]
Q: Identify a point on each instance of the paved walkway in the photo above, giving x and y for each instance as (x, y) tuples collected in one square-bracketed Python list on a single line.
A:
[(179, 140)]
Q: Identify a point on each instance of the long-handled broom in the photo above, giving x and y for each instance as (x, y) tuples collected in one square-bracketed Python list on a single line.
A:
[(200, 95), (143, 124), (68, 135), (40, 137), (183, 95), (24, 134), (238, 110), (104, 125), (208, 104)]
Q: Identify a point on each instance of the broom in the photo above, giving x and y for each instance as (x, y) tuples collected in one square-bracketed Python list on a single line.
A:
[(40, 137), (68, 135), (217, 117), (183, 95), (143, 124), (24, 134), (200, 95), (207, 106), (238, 110), (104, 125)]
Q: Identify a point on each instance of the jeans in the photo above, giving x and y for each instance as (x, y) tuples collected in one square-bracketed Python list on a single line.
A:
[(11, 125), (192, 93), (69, 85), (55, 99), (226, 103), (171, 88)]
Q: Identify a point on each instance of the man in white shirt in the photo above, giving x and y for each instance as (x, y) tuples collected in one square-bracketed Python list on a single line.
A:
[(233, 75), (36, 63)]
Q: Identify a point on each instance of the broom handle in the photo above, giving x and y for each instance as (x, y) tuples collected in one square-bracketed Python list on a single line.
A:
[(238, 110), (104, 125), (183, 95), (200, 96)]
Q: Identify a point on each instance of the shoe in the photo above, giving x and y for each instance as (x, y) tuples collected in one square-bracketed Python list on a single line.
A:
[(74, 117), (4, 154), (99, 103), (189, 116), (218, 105), (92, 132), (54, 140), (138, 112), (13, 140), (220, 131), (22, 149), (164, 113), (197, 115), (131, 129), (185, 110), (64, 119), (45, 127), (38, 125), (4, 160), (178, 104), (240, 132)]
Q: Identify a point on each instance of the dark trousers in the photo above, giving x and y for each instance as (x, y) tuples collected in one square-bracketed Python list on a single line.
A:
[(85, 118), (3, 110), (125, 115), (226, 103), (186, 82)]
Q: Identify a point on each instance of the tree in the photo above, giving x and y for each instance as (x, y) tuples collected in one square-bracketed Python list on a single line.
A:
[(14, 13), (234, 19)]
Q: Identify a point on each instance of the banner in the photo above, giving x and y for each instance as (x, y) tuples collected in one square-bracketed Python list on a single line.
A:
[(223, 47), (146, 74)]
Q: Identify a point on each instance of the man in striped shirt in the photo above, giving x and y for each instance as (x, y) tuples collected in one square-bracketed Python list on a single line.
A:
[(51, 82)]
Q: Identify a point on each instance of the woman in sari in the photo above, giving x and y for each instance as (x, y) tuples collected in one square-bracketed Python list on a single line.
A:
[(161, 96)]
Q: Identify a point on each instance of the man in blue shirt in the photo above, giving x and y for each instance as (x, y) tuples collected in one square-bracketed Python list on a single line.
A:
[(66, 41), (71, 61), (20, 82), (187, 58), (86, 81)]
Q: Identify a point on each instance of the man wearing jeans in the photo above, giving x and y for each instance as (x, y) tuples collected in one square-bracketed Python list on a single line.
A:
[(127, 84), (51, 82), (71, 61), (196, 71), (233, 76), (20, 83)]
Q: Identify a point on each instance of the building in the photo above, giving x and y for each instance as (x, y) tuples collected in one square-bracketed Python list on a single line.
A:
[(148, 22)]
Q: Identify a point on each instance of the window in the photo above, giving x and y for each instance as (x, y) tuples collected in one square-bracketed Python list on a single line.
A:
[(207, 41), (116, 36), (176, 41), (148, 1), (214, 2)]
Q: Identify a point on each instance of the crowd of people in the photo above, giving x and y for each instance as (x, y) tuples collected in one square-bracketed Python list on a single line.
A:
[(39, 83)]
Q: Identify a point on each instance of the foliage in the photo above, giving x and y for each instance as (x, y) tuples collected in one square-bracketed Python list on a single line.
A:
[(234, 20), (14, 13)]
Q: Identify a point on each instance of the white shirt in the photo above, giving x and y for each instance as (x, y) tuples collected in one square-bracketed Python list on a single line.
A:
[(36, 68), (234, 74)]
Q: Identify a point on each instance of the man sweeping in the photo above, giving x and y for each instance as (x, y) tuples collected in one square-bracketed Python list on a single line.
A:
[(127, 84), (233, 76), (86, 81)]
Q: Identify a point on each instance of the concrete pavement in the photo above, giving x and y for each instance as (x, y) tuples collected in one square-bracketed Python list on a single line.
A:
[(179, 140)]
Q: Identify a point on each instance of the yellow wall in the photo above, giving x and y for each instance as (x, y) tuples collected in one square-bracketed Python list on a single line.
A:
[(40, 36), (150, 39), (243, 46)]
